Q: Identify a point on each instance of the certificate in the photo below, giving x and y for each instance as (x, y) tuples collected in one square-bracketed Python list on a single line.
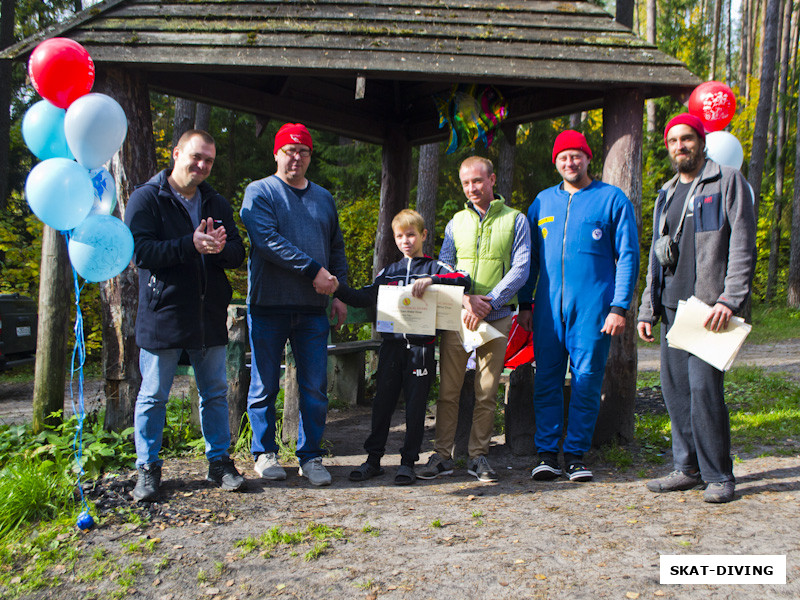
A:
[(471, 340), (448, 305), (717, 348), (400, 312)]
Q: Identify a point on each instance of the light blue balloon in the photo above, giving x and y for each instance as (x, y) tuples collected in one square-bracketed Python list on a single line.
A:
[(59, 192), (105, 192), (95, 126), (101, 247), (43, 131)]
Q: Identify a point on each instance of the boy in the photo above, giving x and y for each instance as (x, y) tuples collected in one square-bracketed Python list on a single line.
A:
[(404, 361)]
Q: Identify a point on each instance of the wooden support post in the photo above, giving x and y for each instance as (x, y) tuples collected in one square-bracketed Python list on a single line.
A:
[(291, 399), (395, 188), (505, 162), (236, 367), (51, 341), (519, 416), (134, 164), (622, 144)]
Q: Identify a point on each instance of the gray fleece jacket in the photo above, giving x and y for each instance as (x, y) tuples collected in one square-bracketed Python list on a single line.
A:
[(724, 242)]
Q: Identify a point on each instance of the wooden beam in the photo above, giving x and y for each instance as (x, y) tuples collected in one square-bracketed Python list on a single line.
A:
[(229, 95)]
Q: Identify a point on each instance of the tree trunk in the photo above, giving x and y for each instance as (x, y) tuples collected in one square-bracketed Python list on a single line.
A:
[(51, 341), (395, 188), (743, 47), (793, 285), (652, 16), (505, 164), (622, 142), (427, 186), (183, 120), (780, 158), (7, 8), (712, 69), (768, 55), (134, 164), (728, 72), (202, 117)]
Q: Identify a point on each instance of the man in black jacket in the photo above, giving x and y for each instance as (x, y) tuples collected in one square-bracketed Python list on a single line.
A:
[(184, 239)]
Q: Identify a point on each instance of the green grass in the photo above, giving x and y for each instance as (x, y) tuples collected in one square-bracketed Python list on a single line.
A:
[(764, 413), (316, 535), (773, 323)]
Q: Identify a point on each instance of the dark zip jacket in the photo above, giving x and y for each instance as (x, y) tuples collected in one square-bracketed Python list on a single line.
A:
[(183, 296), (403, 272)]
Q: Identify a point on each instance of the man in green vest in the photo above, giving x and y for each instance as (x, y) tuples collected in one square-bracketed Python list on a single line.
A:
[(491, 242)]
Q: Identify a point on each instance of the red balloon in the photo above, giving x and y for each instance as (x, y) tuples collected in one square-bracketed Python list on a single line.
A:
[(61, 71), (714, 104)]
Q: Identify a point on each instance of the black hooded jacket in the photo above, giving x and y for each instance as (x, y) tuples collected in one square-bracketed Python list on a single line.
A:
[(183, 296)]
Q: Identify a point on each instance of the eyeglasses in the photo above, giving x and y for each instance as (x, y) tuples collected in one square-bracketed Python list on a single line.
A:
[(295, 153)]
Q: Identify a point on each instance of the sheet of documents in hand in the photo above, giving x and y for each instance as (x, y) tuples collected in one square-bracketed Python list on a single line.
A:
[(400, 312), (473, 339), (719, 349)]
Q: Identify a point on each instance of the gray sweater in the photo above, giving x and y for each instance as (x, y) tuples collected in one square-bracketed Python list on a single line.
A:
[(292, 236), (724, 242)]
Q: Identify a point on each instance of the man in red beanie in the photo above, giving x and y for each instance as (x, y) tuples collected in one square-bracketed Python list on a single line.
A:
[(703, 246), (584, 264), (296, 261)]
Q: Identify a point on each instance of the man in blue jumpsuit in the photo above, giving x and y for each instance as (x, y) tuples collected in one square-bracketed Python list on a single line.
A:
[(584, 264)]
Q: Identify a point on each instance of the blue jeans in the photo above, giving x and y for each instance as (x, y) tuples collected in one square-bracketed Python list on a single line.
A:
[(150, 415), (308, 335)]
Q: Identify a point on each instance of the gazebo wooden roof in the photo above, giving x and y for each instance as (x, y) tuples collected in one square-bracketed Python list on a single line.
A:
[(302, 59)]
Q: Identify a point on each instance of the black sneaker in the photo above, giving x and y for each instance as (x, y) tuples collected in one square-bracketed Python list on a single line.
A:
[(547, 469), (577, 471), (223, 473), (147, 485)]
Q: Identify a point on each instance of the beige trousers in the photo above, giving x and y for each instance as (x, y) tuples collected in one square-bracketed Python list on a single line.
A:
[(453, 359)]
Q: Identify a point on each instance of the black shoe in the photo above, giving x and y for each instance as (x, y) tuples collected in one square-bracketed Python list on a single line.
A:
[(547, 469), (577, 471), (147, 485), (223, 473)]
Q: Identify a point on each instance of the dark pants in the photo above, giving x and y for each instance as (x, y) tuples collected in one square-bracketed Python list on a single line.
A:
[(407, 368), (693, 393)]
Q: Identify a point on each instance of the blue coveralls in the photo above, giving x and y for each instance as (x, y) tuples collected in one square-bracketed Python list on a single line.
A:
[(585, 256)]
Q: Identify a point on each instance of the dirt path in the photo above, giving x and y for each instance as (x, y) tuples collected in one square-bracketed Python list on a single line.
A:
[(449, 538)]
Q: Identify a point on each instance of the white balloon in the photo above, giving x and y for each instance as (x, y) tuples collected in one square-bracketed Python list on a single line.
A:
[(95, 127), (723, 148)]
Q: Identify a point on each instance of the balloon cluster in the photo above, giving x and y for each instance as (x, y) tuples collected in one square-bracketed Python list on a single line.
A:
[(74, 133), (715, 104)]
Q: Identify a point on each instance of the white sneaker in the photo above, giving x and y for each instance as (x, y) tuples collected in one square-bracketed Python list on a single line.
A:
[(317, 474), (267, 467)]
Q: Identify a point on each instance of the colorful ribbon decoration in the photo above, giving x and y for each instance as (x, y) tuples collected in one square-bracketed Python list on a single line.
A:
[(471, 114)]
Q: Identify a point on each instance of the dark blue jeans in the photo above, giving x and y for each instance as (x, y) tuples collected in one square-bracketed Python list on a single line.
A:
[(693, 393), (308, 336)]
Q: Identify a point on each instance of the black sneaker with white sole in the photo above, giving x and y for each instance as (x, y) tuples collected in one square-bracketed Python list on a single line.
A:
[(547, 469), (577, 471)]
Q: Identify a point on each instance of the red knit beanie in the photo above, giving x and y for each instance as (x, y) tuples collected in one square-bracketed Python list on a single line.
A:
[(292, 133), (571, 140), (686, 119)]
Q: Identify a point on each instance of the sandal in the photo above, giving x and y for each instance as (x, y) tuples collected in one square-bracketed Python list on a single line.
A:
[(365, 471), (405, 475)]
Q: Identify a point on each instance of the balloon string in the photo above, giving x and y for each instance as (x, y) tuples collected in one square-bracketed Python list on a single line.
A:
[(79, 356)]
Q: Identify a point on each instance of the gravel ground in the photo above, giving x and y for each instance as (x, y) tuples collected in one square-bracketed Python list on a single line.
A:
[(448, 538)]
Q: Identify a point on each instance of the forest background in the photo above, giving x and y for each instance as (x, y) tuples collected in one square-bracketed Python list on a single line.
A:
[(747, 44)]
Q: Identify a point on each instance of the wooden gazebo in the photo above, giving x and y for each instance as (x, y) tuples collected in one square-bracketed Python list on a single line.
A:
[(369, 70)]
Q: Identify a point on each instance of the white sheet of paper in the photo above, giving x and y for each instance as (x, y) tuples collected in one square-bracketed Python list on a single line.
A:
[(400, 312), (474, 339), (717, 348), (448, 305)]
